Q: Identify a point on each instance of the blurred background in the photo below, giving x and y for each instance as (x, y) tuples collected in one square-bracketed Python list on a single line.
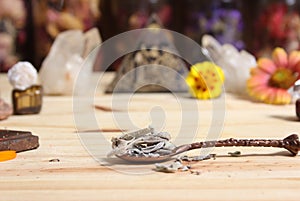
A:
[(29, 27)]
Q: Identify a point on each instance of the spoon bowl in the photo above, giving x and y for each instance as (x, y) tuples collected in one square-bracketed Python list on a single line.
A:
[(153, 159)]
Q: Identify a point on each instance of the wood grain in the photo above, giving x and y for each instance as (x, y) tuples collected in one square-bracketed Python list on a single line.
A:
[(259, 174)]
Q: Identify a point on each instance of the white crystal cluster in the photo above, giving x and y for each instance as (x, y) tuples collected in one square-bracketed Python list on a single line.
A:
[(22, 75), (63, 63), (236, 65)]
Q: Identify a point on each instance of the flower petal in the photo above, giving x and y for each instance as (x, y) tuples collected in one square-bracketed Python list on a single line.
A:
[(259, 92), (294, 59), (257, 80), (260, 85), (257, 71), (266, 65), (297, 68), (205, 80), (272, 94), (190, 80), (282, 97), (194, 71), (203, 95), (280, 57)]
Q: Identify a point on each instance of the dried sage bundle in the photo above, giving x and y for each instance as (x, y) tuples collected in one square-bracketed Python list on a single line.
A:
[(145, 142)]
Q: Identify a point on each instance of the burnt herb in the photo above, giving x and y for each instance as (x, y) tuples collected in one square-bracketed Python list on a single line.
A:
[(235, 154)]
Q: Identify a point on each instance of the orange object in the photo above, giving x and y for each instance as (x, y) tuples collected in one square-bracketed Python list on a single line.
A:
[(7, 155)]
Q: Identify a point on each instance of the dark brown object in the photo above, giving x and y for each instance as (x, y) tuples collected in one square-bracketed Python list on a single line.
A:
[(5, 110), (298, 108), (18, 140), (104, 108), (27, 101), (54, 160)]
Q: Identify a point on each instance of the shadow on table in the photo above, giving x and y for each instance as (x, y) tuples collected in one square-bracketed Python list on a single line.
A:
[(285, 118), (118, 161), (279, 153)]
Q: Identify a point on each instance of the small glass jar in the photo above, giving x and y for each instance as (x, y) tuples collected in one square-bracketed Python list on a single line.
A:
[(27, 101)]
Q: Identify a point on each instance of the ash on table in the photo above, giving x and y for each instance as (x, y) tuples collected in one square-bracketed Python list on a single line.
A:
[(145, 142)]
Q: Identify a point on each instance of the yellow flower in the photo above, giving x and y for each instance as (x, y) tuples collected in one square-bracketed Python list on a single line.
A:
[(271, 78), (205, 80)]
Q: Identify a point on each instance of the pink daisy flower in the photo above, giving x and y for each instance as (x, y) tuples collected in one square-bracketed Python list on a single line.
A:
[(271, 78)]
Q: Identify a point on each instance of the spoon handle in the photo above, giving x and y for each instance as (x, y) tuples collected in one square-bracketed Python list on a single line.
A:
[(291, 143)]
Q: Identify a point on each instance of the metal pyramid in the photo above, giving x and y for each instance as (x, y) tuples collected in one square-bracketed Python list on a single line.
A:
[(154, 66)]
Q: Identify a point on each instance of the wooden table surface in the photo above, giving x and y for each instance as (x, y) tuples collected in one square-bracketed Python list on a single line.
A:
[(258, 174)]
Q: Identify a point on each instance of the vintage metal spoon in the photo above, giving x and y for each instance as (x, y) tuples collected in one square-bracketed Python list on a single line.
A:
[(291, 143)]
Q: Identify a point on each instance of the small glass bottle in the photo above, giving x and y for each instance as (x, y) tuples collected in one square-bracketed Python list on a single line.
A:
[(27, 101)]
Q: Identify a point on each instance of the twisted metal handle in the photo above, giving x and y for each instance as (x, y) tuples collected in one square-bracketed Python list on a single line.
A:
[(291, 143)]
